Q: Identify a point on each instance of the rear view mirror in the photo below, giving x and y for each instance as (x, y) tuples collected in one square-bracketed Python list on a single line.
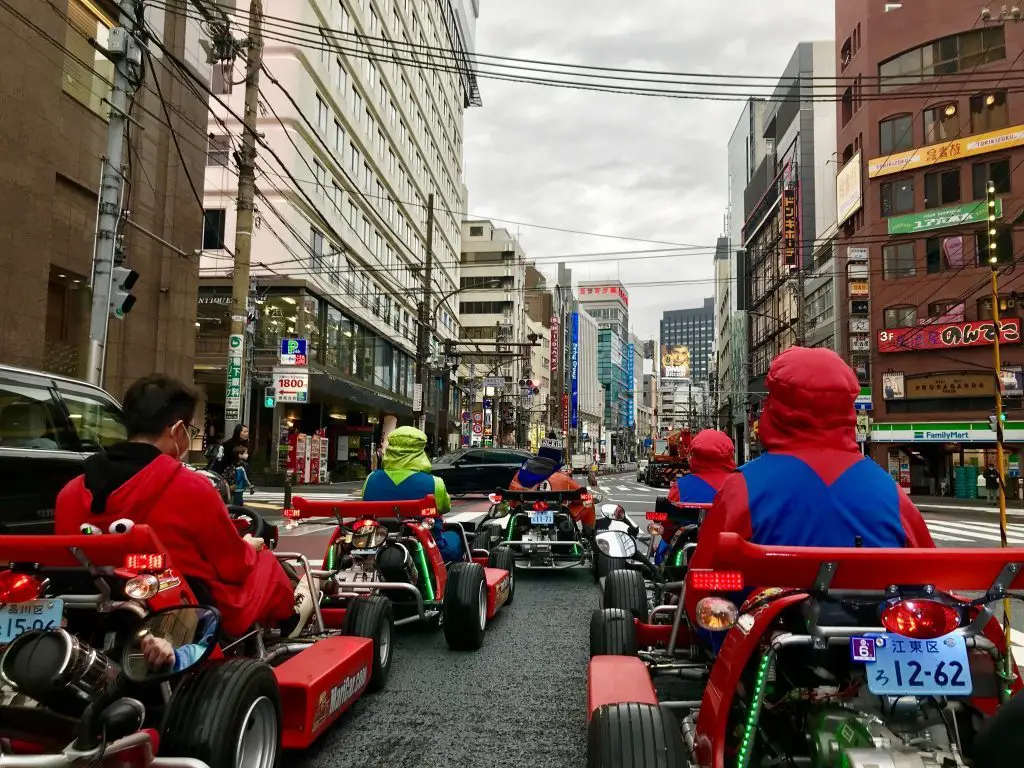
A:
[(616, 544), (613, 511), (171, 641)]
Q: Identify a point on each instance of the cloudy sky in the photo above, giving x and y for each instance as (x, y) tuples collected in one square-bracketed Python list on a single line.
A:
[(638, 167)]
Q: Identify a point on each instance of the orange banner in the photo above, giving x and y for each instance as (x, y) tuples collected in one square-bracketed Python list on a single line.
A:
[(980, 144)]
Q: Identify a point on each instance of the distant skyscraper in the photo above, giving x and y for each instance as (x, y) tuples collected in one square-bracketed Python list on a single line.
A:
[(694, 330)]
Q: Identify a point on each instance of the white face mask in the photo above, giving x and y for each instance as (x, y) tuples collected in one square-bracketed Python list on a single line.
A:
[(183, 453)]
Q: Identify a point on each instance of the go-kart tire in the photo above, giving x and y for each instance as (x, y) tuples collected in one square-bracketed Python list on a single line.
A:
[(484, 537), (999, 742), (213, 707), (603, 564), (464, 610), (372, 617), (502, 558), (634, 735), (612, 633), (625, 588)]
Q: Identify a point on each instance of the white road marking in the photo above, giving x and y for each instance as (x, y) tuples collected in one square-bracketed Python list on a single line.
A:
[(975, 530)]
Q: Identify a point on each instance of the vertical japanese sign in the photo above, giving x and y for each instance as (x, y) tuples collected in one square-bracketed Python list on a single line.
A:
[(631, 373), (565, 413), (556, 327), (233, 393), (574, 383), (790, 226)]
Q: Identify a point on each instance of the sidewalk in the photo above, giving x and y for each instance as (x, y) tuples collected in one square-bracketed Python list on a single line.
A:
[(1013, 505), (349, 486)]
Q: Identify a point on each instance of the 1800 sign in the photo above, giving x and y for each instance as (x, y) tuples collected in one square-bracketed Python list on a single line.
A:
[(949, 335)]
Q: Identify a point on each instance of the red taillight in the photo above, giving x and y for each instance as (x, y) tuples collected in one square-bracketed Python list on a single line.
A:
[(540, 506), (19, 587), (291, 514), (715, 581), (658, 517), (586, 497), (495, 498), (920, 619), (145, 563)]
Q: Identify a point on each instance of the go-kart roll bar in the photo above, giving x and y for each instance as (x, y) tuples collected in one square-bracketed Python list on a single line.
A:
[(817, 569), (575, 494), (303, 509)]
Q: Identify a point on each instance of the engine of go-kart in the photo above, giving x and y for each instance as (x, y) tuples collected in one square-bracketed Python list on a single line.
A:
[(542, 525), (366, 553), (892, 732)]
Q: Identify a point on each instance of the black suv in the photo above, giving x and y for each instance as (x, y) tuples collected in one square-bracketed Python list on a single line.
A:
[(49, 425)]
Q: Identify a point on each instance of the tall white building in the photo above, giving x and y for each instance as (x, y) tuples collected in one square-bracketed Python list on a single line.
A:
[(591, 393), (358, 144)]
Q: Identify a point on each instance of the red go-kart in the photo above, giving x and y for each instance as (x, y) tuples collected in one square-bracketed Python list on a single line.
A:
[(856, 658), (74, 688), (387, 548)]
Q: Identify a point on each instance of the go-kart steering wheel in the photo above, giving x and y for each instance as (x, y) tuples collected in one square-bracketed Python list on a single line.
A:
[(258, 527)]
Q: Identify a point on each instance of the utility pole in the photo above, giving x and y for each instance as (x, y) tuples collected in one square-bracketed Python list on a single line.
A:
[(124, 52), (426, 328), (237, 378)]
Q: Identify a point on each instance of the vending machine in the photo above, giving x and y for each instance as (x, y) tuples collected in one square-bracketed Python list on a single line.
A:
[(323, 476)]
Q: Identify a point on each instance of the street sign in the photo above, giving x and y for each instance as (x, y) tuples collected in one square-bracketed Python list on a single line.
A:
[(478, 428), (417, 397), (498, 382), (465, 416), (291, 385), (293, 352), (233, 393)]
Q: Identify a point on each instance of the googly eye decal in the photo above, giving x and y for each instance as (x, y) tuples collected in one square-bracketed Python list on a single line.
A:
[(122, 526), (90, 530)]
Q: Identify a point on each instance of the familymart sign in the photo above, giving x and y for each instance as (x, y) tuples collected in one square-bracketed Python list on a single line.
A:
[(945, 432), (940, 218)]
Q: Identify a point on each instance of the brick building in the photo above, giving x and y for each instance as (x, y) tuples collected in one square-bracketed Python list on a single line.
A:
[(54, 125), (926, 120)]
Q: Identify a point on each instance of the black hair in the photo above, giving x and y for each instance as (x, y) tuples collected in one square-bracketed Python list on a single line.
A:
[(236, 435), (156, 402)]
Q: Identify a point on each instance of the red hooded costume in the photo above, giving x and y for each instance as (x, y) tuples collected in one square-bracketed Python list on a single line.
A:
[(712, 460), (134, 481), (813, 487)]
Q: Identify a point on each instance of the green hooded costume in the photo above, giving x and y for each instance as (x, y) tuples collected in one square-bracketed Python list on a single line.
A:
[(406, 472)]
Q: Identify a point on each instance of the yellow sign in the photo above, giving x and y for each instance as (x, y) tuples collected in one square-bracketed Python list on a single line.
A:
[(859, 288), (950, 385), (980, 144)]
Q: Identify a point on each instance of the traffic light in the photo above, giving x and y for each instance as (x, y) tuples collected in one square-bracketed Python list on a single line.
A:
[(269, 397), (992, 422), (121, 299)]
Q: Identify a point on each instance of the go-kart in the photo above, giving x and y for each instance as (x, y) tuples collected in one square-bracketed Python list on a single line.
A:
[(242, 701), (864, 658), (388, 548), (537, 527)]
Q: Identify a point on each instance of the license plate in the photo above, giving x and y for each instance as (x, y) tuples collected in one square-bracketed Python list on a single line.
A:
[(542, 518), (18, 618), (363, 552), (904, 667)]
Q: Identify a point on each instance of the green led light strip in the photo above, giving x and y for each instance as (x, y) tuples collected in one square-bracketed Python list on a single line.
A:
[(750, 728), (511, 528), (422, 560)]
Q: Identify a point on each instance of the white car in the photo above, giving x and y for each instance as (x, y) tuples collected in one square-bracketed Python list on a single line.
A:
[(641, 470)]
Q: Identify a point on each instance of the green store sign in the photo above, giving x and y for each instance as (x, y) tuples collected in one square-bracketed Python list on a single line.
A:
[(958, 215)]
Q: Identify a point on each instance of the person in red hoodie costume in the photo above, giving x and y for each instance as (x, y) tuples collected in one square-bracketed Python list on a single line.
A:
[(144, 482)]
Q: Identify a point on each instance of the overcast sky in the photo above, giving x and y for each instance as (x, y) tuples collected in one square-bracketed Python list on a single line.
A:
[(641, 167)]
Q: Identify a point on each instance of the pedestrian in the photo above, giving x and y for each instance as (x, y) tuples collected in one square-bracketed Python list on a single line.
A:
[(992, 482), (223, 456), (240, 476)]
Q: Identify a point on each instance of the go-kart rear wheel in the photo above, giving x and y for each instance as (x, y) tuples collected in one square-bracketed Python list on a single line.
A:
[(372, 617), (465, 607), (625, 588), (503, 559), (605, 564), (487, 536), (637, 735), (228, 714), (612, 633)]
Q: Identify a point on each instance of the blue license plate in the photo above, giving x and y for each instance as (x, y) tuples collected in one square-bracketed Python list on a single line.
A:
[(542, 518), (18, 618), (900, 666)]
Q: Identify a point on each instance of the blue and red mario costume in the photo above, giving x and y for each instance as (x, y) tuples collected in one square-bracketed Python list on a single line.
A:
[(712, 460), (812, 487)]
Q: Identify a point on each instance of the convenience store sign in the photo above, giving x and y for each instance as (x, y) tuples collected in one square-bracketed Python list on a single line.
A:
[(944, 432)]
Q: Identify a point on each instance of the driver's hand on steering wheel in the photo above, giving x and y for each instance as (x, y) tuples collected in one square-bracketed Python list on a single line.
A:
[(255, 542), (158, 652)]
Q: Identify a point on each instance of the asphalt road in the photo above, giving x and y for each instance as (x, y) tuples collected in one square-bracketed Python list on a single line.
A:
[(520, 699)]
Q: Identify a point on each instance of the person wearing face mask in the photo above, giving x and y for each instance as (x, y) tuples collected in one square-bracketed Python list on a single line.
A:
[(144, 481)]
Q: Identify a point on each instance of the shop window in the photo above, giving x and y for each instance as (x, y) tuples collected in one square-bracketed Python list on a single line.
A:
[(382, 361), (87, 72), (1009, 306), (311, 322), (279, 319), (213, 322), (338, 342), (997, 171), (943, 253), (941, 188), (896, 134), (900, 317), (989, 112), (898, 260), (941, 123), (897, 197), (1003, 250)]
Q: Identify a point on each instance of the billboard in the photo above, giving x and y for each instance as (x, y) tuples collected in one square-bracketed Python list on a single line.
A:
[(605, 292), (556, 328), (790, 246), (849, 198), (675, 363), (574, 373), (957, 149), (631, 374)]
